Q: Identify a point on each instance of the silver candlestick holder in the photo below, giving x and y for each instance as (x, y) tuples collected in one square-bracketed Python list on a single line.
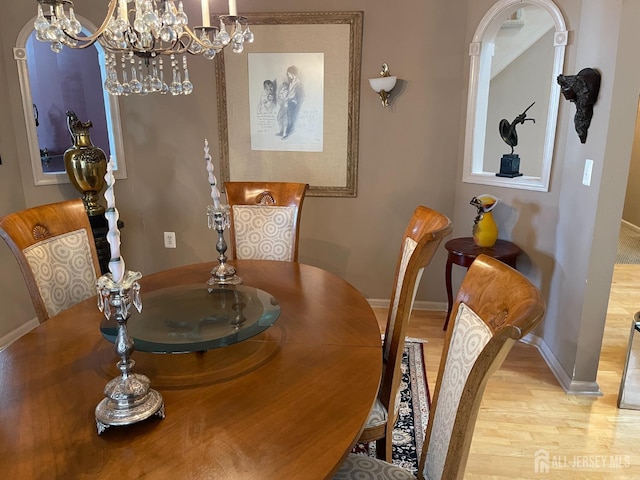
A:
[(128, 398), (218, 220)]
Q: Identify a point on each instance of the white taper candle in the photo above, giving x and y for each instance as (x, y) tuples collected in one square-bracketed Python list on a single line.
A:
[(123, 10), (215, 193), (233, 11), (206, 22), (116, 263)]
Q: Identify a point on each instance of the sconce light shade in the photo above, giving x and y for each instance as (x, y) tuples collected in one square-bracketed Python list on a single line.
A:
[(383, 84)]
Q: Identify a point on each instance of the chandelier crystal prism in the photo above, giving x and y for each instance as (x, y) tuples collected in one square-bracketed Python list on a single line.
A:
[(144, 38)]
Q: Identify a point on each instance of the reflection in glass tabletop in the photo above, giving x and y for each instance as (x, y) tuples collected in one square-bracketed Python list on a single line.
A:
[(195, 317)]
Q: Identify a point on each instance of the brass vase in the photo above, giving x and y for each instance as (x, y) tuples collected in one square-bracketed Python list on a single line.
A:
[(85, 164)]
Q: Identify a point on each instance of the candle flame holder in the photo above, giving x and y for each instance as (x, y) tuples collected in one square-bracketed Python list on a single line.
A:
[(218, 220), (128, 398)]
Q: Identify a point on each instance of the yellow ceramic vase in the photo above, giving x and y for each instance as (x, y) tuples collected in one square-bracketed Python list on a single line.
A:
[(485, 229)]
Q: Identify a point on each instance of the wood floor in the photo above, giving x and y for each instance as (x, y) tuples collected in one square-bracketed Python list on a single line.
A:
[(525, 413)]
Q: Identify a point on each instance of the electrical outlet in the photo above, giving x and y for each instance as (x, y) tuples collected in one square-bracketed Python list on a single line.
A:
[(169, 240), (588, 169)]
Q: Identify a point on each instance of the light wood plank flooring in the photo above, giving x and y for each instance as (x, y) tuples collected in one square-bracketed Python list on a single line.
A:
[(524, 410)]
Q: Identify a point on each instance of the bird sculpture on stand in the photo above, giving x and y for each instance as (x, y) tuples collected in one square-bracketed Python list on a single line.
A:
[(510, 162)]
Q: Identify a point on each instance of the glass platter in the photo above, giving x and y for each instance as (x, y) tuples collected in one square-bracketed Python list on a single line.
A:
[(193, 318)]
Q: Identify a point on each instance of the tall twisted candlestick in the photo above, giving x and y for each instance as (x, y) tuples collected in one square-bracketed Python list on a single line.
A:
[(128, 398), (218, 220), (116, 263), (213, 182), (223, 273)]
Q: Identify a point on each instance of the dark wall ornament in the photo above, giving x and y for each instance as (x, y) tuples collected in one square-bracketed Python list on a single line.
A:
[(581, 89)]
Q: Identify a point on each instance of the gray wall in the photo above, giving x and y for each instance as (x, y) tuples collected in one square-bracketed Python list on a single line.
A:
[(410, 154), (631, 212), (14, 298), (569, 234)]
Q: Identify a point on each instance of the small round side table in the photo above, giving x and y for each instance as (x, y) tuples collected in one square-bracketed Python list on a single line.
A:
[(463, 251)]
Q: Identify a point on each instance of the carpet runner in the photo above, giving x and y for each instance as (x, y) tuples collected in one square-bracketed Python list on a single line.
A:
[(628, 248), (408, 434)]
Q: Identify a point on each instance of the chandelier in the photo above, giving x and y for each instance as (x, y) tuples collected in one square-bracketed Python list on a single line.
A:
[(143, 39)]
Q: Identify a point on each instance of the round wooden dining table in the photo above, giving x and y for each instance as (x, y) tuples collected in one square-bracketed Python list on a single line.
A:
[(288, 403)]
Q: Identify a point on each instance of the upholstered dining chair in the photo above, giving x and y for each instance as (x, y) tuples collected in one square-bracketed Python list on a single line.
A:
[(421, 239), (495, 307), (55, 250), (265, 219)]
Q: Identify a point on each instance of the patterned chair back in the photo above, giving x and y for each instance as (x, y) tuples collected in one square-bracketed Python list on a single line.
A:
[(55, 250), (265, 219), (495, 307)]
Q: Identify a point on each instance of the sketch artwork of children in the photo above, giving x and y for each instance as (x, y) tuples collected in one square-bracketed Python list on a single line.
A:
[(283, 92), (292, 101), (286, 107), (268, 101)]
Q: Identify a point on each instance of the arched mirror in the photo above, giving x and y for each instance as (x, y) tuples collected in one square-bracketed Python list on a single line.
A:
[(516, 54), (52, 83)]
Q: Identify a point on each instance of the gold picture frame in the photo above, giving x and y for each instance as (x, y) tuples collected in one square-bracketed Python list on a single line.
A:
[(327, 157)]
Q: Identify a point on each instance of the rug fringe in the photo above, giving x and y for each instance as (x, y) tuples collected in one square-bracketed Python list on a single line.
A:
[(410, 339), (415, 340)]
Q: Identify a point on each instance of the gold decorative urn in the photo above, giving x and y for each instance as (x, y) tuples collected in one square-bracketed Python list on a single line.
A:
[(85, 164)]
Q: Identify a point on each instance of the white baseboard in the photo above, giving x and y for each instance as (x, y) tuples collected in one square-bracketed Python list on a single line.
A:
[(15, 334), (631, 225), (571, 387)]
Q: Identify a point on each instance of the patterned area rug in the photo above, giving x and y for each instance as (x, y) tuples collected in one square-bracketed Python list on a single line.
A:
[(628, 250), (408, 435)]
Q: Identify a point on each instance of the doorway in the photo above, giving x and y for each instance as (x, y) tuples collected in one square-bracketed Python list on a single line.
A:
[(50, 85)]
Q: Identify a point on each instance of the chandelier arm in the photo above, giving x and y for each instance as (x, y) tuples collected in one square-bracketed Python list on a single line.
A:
[(194, 38), (178, 47), (91, 39)]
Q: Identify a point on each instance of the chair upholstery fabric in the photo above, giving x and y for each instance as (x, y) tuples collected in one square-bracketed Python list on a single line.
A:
[(377, 415), (270, 223), (469, 337), (361, 467), (408, 248), (63, 270), (264, 232)]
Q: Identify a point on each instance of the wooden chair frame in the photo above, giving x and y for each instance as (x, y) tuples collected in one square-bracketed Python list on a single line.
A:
[(25, 228), (427, 228), (505, 307), (267, 193), (511, 306)]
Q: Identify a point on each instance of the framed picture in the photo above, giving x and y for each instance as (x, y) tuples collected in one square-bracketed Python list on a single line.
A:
[(288, 107)]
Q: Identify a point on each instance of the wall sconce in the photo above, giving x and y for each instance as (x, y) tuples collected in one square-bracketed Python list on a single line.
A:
[(383, 84)]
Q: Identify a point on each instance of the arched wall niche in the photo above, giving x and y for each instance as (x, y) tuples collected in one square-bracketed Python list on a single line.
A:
[(111, 109), (481, 51)]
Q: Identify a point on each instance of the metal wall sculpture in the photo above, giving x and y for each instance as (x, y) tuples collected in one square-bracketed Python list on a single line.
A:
[(581, 89)]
